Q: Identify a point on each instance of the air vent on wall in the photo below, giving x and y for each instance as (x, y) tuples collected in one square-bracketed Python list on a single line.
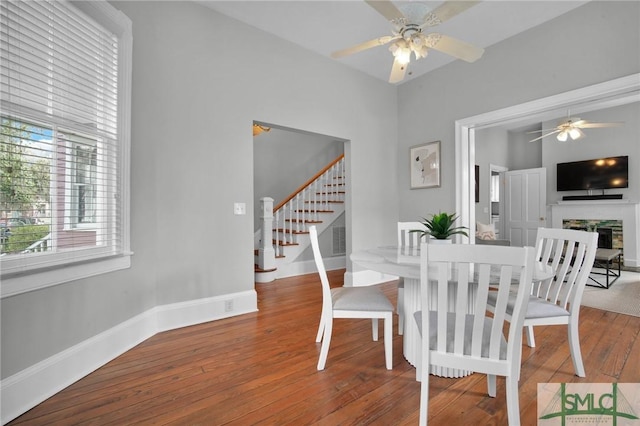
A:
[(339, 240)]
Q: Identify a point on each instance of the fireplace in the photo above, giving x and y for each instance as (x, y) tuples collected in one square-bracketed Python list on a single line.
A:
[(605, 238), (610, 232), (616, 221)]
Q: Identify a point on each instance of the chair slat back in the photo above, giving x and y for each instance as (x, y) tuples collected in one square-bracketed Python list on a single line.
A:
[(407, 238), (459, 299), (571, 254)]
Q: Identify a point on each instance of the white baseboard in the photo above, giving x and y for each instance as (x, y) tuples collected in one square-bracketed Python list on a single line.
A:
[(29, 387), (309, 266)]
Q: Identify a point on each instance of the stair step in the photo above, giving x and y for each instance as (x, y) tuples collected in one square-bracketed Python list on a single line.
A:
[(289, 231), (278, 256), (302, 221), (256, 268), (284, 243), (330, 193), (314, 211), (335, 184)]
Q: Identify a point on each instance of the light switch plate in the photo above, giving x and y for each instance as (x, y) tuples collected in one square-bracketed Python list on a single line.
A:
[(239, 208)]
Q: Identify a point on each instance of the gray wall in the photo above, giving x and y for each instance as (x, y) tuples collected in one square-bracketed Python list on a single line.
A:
[(194, 100), (524, 154), (570, 52)]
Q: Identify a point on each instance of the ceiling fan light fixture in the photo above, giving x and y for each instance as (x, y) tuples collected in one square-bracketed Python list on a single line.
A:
[(575, 133), (401, 52), (562, 136)]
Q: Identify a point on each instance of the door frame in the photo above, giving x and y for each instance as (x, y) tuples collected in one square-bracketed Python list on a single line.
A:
[(611, 93), (498, 169)]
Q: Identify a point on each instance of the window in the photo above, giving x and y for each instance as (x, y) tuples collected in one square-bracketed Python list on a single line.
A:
[(64, 142)]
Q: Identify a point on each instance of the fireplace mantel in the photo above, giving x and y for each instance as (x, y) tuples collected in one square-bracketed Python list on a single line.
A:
[(626, 210)]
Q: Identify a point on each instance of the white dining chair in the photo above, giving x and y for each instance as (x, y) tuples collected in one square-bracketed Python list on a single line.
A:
[(456, 331), (350, 302), (406, 238), (570, 254)]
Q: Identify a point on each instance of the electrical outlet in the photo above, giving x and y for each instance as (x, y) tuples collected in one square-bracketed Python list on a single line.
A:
[(228, 305)]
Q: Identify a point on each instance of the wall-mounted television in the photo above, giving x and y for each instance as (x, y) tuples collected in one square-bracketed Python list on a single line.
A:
[(599, 173)]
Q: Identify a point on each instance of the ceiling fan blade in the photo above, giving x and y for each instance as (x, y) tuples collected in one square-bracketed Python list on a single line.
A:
[(386, 9), (456, 48), (540, 131), (397, 71), (544, 136), (363, 46), (597, 125), (446, 11)]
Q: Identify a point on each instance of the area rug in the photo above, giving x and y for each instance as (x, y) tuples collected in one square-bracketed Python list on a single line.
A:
[(623, 296)]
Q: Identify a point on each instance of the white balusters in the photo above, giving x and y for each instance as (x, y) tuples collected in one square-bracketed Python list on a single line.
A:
[(294, 216)]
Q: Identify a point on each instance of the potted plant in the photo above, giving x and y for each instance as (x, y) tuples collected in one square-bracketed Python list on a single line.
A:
[(441, 226)]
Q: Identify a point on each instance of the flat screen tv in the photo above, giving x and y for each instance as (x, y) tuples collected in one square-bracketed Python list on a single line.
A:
[(600, 173)]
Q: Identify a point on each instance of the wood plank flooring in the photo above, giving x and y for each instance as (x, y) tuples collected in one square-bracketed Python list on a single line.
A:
[(260, 369)]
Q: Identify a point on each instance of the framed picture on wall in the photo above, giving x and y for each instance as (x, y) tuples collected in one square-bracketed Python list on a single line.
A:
[(424, 165)]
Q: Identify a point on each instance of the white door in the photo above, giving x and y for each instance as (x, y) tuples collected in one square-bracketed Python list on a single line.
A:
[(525, 205)]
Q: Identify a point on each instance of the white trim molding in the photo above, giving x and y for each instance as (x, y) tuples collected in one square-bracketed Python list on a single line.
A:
[(29, 387)]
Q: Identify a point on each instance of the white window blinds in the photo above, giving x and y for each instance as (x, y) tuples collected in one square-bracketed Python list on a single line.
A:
[(64, 134)]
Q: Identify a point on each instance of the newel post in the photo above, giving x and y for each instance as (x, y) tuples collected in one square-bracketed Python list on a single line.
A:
[(266, 253)]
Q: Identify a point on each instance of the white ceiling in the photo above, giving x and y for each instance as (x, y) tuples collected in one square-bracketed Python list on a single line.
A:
[(326, 26)]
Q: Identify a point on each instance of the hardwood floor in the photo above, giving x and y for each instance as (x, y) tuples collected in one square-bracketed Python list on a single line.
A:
[(260, 368)]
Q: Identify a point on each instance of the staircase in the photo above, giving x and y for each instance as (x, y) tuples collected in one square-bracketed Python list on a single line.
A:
[(319, 201)]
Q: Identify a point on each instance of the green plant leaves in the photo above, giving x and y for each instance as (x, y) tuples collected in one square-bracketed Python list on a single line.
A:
[(442, 226)]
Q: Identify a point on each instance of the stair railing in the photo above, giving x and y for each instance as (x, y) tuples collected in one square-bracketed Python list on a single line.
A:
[(293, 215)]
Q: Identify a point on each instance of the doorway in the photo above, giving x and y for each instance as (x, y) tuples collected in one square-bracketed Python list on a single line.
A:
[(616, 92), (496, 198)]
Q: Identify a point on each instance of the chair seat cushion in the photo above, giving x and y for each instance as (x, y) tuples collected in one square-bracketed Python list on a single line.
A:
[(537, 307), (433, 325), (360, 299), (540, 308)]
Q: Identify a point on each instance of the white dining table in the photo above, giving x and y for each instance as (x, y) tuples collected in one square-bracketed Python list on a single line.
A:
[(405, 262)]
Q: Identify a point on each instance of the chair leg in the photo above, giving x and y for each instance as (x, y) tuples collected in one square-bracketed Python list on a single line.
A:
[(424, 399), (326, 341), (400, 309), (491, 385), (374, 328), (574, 346), (388, 341), (513, 402), (320, 328), (531, 340)]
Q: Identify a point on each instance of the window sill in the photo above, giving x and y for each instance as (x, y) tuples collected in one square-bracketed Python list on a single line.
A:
[(14, 285)]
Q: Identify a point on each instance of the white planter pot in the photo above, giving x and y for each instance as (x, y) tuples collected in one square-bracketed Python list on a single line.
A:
[(437, 241)]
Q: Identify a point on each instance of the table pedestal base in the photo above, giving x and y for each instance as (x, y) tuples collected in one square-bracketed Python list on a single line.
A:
[(411, 338)]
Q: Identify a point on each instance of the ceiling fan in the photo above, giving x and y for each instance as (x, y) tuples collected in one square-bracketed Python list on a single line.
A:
[(572, 128), (408, 34)]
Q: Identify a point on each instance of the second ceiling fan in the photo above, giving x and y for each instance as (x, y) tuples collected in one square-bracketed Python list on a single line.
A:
[(571, 128), (408, 34)]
